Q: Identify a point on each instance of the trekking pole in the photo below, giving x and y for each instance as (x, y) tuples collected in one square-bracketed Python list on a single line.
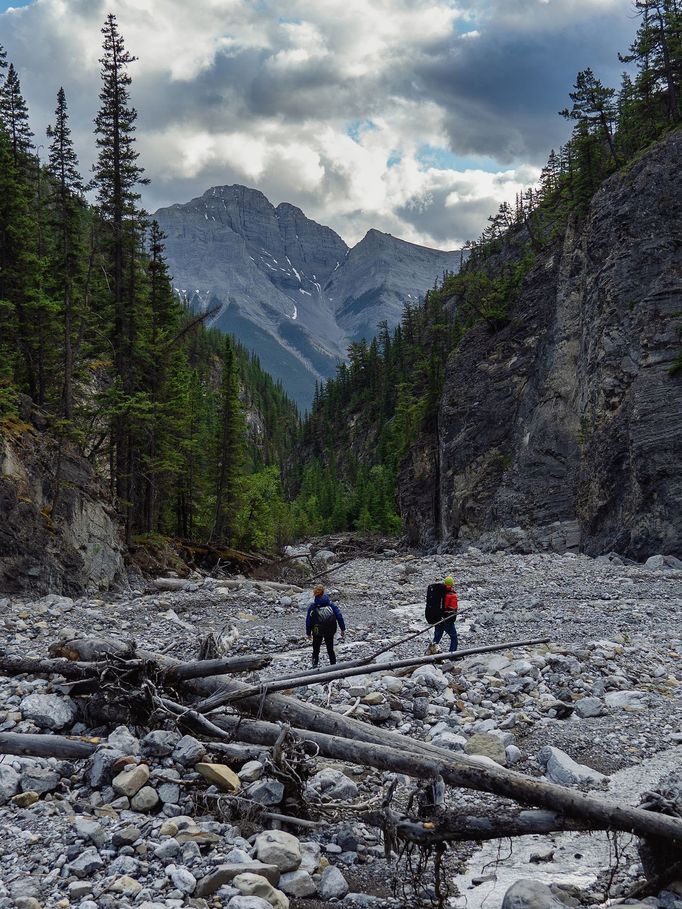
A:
[(411, 637)]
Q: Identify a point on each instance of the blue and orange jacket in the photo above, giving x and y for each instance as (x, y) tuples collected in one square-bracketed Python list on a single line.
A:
[(323, 601)]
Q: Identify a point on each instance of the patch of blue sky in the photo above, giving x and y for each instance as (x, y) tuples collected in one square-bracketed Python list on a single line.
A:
[(13, 4), (443, 159), (394, 160), (356, 129)]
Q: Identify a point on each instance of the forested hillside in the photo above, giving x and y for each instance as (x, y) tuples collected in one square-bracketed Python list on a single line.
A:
[(182, 424), (386, 441)]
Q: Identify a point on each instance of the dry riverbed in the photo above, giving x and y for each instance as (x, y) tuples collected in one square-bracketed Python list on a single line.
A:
[(598, 708)]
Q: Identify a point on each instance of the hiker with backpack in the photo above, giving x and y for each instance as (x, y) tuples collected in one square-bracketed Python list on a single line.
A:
[(320, 624), (441, 611)]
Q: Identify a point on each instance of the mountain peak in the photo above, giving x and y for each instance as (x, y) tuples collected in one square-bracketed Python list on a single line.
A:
[(289, 288)]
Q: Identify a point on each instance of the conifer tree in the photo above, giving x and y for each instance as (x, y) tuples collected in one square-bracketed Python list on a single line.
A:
[(67, 207), (117, 176), (229, 448), (14, 116), (593, 104)]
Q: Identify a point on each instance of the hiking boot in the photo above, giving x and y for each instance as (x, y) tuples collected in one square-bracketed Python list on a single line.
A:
[(431, 649)]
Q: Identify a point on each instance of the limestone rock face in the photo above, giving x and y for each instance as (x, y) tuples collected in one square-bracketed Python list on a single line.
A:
[(562, 430), (289, 288), (57, 532)]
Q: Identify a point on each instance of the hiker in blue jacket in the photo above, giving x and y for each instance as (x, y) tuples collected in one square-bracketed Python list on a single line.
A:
[(320, 624)]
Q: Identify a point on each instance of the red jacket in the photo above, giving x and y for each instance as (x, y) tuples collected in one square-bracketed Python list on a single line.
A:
[(450, 603)]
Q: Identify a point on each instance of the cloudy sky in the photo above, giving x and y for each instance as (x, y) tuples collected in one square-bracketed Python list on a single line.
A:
[(417, 117)]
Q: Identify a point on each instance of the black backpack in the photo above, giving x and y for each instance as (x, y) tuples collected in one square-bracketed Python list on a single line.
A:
[(435, 598), (323, 619)]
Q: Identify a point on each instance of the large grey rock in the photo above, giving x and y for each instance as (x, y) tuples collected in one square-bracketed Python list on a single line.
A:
[(289, 285), (267, 791), (297, 883), (9, 783), (330, 783), (228, 871), (332, 884), (529, 894), (589, 707), (487, 745), (88, 863), (159, 742), (563, 769), (188, 751), (561, 429), (39, 779), (49, 711), (275, 847)]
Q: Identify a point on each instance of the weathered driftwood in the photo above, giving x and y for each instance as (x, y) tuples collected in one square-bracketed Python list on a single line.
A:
[(450, 826), (347, 739), (198, 669), (57, 746), (12, 664), (592, 812), (229, 695)]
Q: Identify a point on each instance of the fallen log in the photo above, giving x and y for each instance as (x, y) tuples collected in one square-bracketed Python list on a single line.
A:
[(589, 811), (229, 695), (198, 669), (448, 827), (11, 664), (57, 746), (351, 740)]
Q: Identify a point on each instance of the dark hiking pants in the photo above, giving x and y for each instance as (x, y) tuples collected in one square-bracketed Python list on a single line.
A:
[(328, 638)]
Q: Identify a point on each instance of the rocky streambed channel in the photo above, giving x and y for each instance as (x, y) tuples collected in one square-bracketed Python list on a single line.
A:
[(155, 818)]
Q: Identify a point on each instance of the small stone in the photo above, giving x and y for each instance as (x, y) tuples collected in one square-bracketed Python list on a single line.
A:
[(126, 836), (159, 742), (275, 847), (297, 883), (188, 751), (88, 829), (332, 783), (267, 791), (128, 782), (25, 799), (563, 769), (126, 885), (256, 885), (9, 783), (332, 884), (39, 779), (79, 889), (251, 771), (227, 872), (589, 707), (182, 878), (488, 745), (145, 800), (87, 863), (168, 828), (220, 775), (529, 894), (49, 711)]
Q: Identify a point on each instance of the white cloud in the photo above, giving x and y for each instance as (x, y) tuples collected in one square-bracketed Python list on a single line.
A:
[(326, 104)]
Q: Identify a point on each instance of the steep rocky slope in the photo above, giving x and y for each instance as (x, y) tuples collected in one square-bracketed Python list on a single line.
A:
[(57, 532), (563, 430), (287, 287)]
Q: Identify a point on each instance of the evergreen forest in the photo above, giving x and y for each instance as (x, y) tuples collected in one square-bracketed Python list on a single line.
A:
[(385, 399), (191, 434), (183, 423)]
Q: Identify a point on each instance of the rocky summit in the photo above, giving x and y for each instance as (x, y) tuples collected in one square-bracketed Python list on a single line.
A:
[(156, 819), (287, 287)]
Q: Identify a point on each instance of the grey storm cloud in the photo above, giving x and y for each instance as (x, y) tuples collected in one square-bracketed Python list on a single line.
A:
[(291, 97)]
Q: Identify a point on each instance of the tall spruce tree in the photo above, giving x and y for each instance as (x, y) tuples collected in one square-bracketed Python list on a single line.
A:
[(229, 448), (593, 103), (14, 116), (117, 176), (67, 210)]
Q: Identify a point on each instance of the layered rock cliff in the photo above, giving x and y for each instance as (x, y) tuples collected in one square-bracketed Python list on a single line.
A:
[(563, 430), (57, 532), (288, 288)]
